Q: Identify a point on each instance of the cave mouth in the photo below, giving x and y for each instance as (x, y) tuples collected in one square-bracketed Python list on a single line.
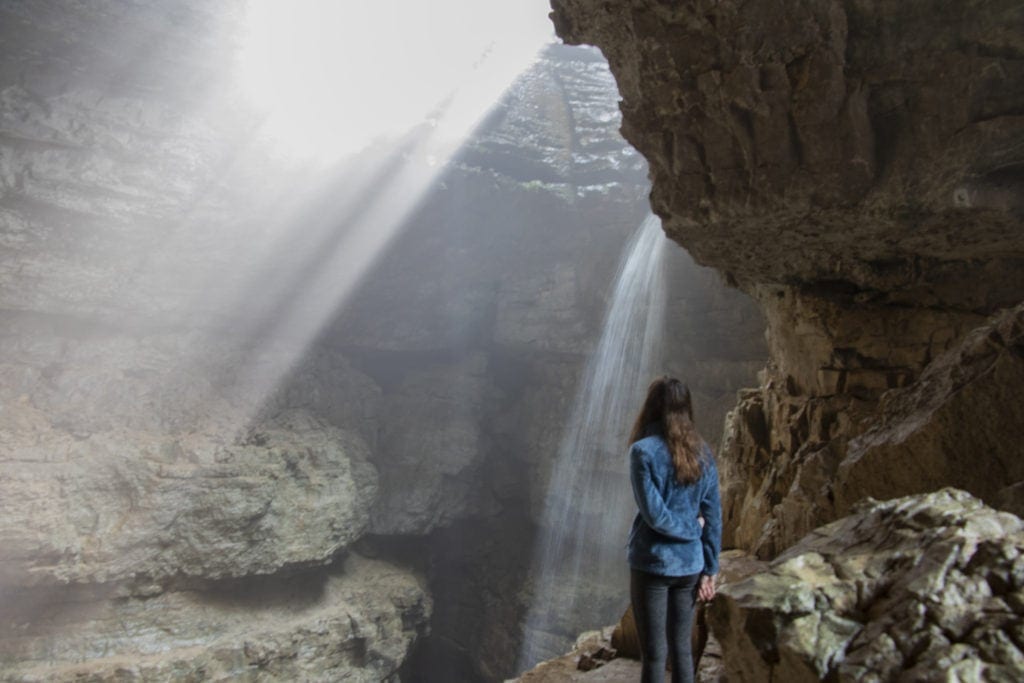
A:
[(289, 406)]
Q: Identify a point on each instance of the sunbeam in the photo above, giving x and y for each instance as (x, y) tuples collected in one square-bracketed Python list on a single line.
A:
[(364, 104), (334, 77)]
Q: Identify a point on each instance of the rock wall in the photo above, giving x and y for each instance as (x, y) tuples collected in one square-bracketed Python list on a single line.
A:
[(855, 166)]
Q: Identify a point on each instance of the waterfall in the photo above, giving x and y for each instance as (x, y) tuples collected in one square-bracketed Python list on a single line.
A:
[(579, 567)]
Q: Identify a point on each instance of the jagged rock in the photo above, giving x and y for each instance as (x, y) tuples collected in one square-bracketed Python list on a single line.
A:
[(792, 462), (577, 665), (354, 621), (901, 589), (962, 421)]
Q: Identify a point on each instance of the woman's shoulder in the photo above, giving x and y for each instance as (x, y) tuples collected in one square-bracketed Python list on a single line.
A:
[(650, 441), (649, 445)]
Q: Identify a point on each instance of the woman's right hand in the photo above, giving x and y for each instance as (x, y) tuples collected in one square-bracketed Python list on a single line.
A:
[(706, 590)]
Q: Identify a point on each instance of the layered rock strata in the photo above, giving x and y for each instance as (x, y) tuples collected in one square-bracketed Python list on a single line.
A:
[(355, 621), (856, 167), (903, 590)]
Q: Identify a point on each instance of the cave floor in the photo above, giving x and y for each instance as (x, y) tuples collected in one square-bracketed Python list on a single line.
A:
[(619, 670)]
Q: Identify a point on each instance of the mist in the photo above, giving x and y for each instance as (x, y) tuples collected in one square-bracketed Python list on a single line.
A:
[(296, 311)]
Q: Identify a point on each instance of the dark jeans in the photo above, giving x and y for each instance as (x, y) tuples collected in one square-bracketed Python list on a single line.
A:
[(663, 606)]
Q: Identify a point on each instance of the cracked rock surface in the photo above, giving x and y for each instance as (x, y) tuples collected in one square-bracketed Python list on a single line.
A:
[(908, 589)]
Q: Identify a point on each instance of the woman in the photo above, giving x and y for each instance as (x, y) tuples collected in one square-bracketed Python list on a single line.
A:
[(673, 558)]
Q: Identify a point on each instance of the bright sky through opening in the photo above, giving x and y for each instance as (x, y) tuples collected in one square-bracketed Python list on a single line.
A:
[(406, 81), (333, 76)]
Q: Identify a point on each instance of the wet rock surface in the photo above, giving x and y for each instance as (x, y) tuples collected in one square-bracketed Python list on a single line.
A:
[(909, 589)]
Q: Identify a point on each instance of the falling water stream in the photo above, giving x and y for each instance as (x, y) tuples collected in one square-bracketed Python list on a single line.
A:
[(579, 570)]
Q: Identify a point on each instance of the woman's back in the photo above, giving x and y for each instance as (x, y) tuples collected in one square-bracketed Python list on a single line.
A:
[(667, 536), (672, 557)]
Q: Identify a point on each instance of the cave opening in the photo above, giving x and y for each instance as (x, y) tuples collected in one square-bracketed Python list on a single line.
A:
[(296, 306)]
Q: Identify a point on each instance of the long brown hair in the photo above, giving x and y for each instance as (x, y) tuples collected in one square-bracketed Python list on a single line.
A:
[(669, 406)]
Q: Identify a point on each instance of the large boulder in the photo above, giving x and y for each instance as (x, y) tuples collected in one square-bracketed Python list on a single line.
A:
[(902, 589)]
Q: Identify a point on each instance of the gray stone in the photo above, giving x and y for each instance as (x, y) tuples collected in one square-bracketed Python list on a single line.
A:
[(356, 621), (124, 505)]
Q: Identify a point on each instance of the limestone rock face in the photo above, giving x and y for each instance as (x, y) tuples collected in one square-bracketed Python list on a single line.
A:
[(962, 421), (123, 505), (874, 144), (792, 461), (355, 621), (123, 464), (900, 589)]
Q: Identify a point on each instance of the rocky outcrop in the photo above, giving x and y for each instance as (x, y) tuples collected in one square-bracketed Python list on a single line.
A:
[(355, 621), (131, 506), (793, 462), (869, 144), (854, 166), (962, 421), (901, 589), (122, 465)]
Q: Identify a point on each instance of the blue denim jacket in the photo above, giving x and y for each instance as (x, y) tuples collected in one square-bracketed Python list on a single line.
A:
[(666, 538)]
